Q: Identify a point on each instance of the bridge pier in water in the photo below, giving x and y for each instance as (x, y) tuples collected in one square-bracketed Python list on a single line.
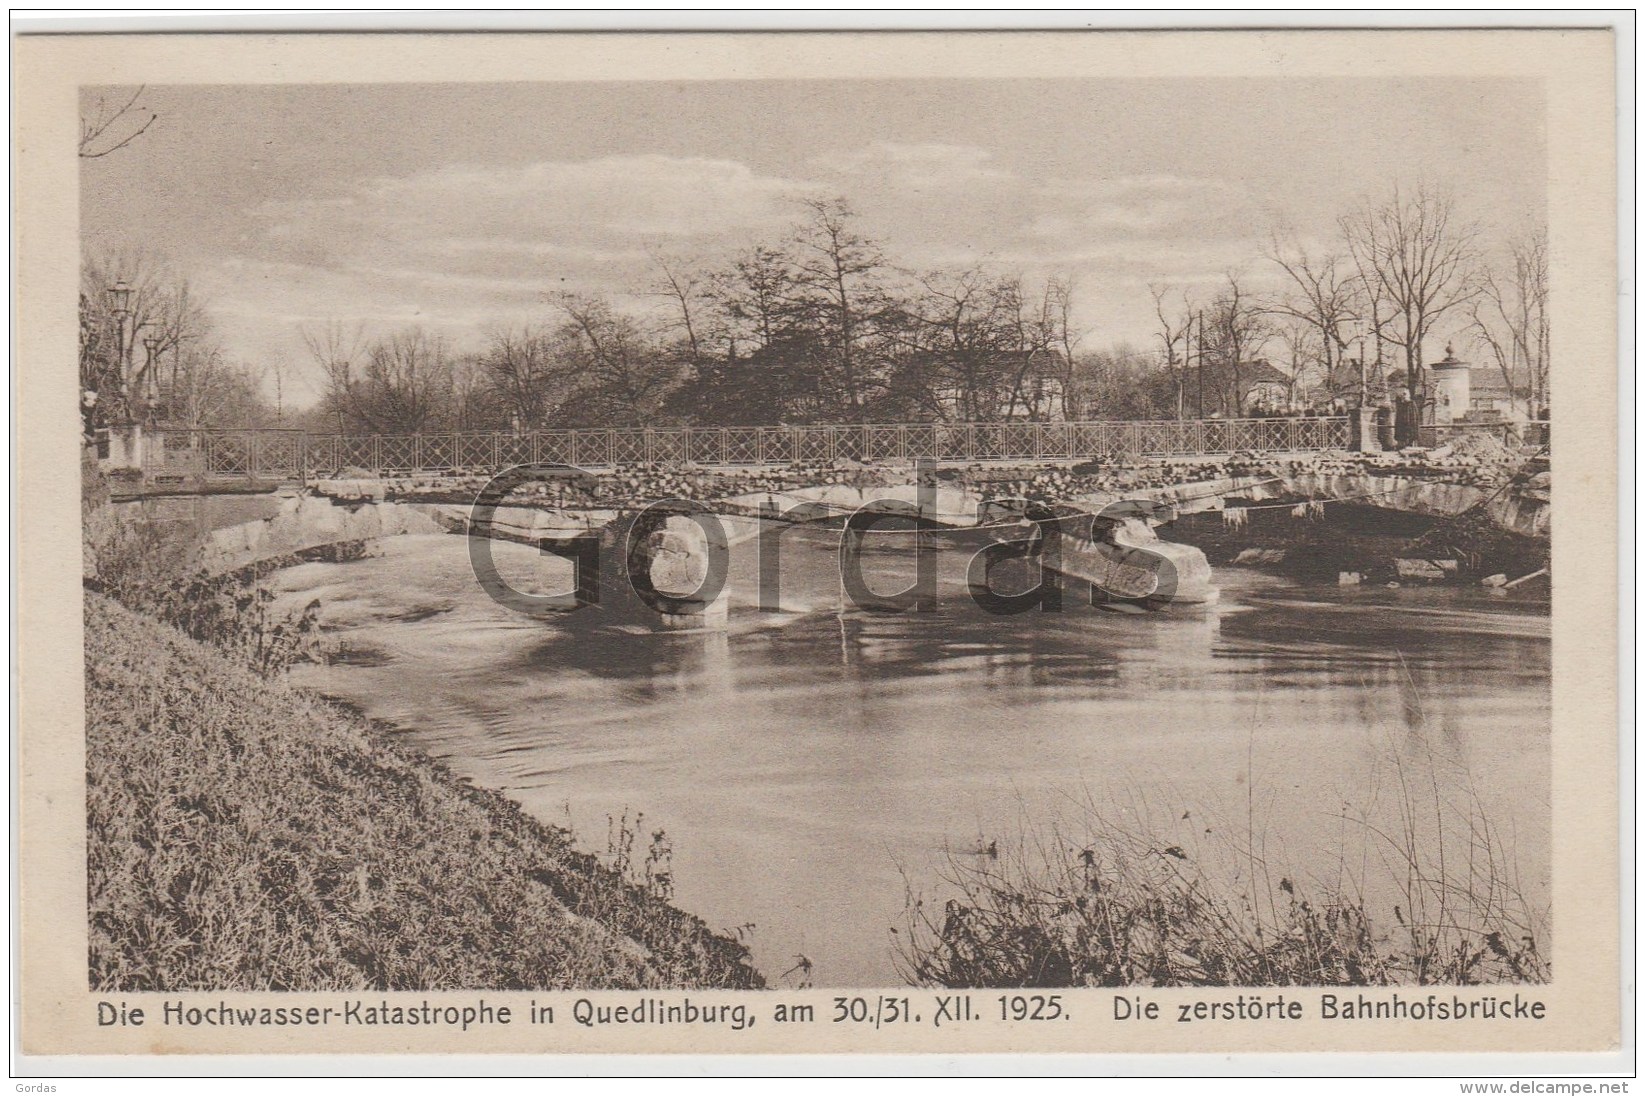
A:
[(677, 568)]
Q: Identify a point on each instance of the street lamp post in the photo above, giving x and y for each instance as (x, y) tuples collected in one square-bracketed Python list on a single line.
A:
[(151, 375), (1364, 417), (126, 440), (1364, 386), (120, 292)]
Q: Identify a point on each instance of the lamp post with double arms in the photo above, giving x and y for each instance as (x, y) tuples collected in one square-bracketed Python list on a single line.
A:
[(126, 436), (156, 398)]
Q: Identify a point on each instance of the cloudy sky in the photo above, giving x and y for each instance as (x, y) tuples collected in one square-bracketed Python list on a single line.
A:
[(462, 206)]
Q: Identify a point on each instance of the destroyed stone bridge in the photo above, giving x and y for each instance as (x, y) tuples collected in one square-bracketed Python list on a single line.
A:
[(1156, 454), (569, 484)]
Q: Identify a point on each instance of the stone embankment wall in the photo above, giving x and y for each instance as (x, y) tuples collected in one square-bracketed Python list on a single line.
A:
[(310, 521)]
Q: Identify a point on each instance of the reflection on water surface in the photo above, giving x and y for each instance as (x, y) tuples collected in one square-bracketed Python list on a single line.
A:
[(807, 766)]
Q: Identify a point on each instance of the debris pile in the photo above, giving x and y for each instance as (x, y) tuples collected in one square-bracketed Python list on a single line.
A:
[(1482, 547)]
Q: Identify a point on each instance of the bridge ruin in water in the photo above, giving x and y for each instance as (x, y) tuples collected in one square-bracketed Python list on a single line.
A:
[(334, 488)]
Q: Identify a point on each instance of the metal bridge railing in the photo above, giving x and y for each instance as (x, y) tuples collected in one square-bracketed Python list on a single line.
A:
[(268, 453), (294, 455)]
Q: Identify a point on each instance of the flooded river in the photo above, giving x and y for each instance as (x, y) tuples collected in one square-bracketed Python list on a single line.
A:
[(813, 768)]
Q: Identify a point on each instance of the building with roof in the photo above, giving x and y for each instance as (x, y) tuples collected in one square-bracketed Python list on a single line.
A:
[(1490, 396), (1265, 388)]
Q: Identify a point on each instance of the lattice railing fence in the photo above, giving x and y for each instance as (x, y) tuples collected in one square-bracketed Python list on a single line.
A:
[(291, 454)]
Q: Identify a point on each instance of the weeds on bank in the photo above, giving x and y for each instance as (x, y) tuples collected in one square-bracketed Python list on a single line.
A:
[(244, 836), (653, 874), (1126, 905), (142, 566), (236, 615)]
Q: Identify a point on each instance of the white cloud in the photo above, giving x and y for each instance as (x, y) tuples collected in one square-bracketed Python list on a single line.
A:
[(636, 196), (446, 236), (523, 219), (1136, 206), (460, 246), (918, 167)]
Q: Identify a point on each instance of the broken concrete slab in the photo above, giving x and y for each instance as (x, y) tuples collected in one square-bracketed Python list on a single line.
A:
[(1425, 569)]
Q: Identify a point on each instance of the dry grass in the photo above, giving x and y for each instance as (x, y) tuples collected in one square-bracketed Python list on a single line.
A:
[(243, 835), (148, 566), (1124, 905)]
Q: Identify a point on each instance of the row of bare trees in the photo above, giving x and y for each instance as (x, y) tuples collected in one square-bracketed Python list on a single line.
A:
[(1510, 316), (820, 326), (817, 326), (1400, 271)]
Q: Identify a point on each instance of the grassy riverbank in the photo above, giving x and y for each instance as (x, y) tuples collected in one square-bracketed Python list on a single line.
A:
[(1180, 903), (245, 835)]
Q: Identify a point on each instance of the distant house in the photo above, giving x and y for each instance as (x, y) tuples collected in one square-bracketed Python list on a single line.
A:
[(1346, 378), (1043, 375), (1489, 396), (1035, 377), (1264, 388)]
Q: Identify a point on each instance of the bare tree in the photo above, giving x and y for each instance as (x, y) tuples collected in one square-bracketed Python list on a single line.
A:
[(959, 339), (1324, 294), (127, 360), (405, 384), (1511, 317), (625, 375), (338, 350), (1035, 336), (1299, 341), (1173, 332), (685, 290), (1239, 326), (149, 356), (279, 371), (1374, 311), (399, 384), (473, 400), (1126, 383), (840, 268), (519, 363), (1419, 260), (113, 124), (211, 392), (768, 325), (756, 297), (1059, 293)]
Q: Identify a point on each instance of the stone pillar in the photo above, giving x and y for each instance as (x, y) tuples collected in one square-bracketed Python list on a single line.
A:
[(1452, 385), (125, 446), (1362, 430)]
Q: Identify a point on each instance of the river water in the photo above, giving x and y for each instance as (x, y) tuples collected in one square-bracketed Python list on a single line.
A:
[(815, 768)]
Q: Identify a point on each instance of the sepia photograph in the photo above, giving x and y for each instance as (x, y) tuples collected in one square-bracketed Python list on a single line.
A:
[(982, 538)]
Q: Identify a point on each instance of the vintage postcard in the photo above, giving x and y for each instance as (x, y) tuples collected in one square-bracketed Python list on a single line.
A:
[(963, 542)]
